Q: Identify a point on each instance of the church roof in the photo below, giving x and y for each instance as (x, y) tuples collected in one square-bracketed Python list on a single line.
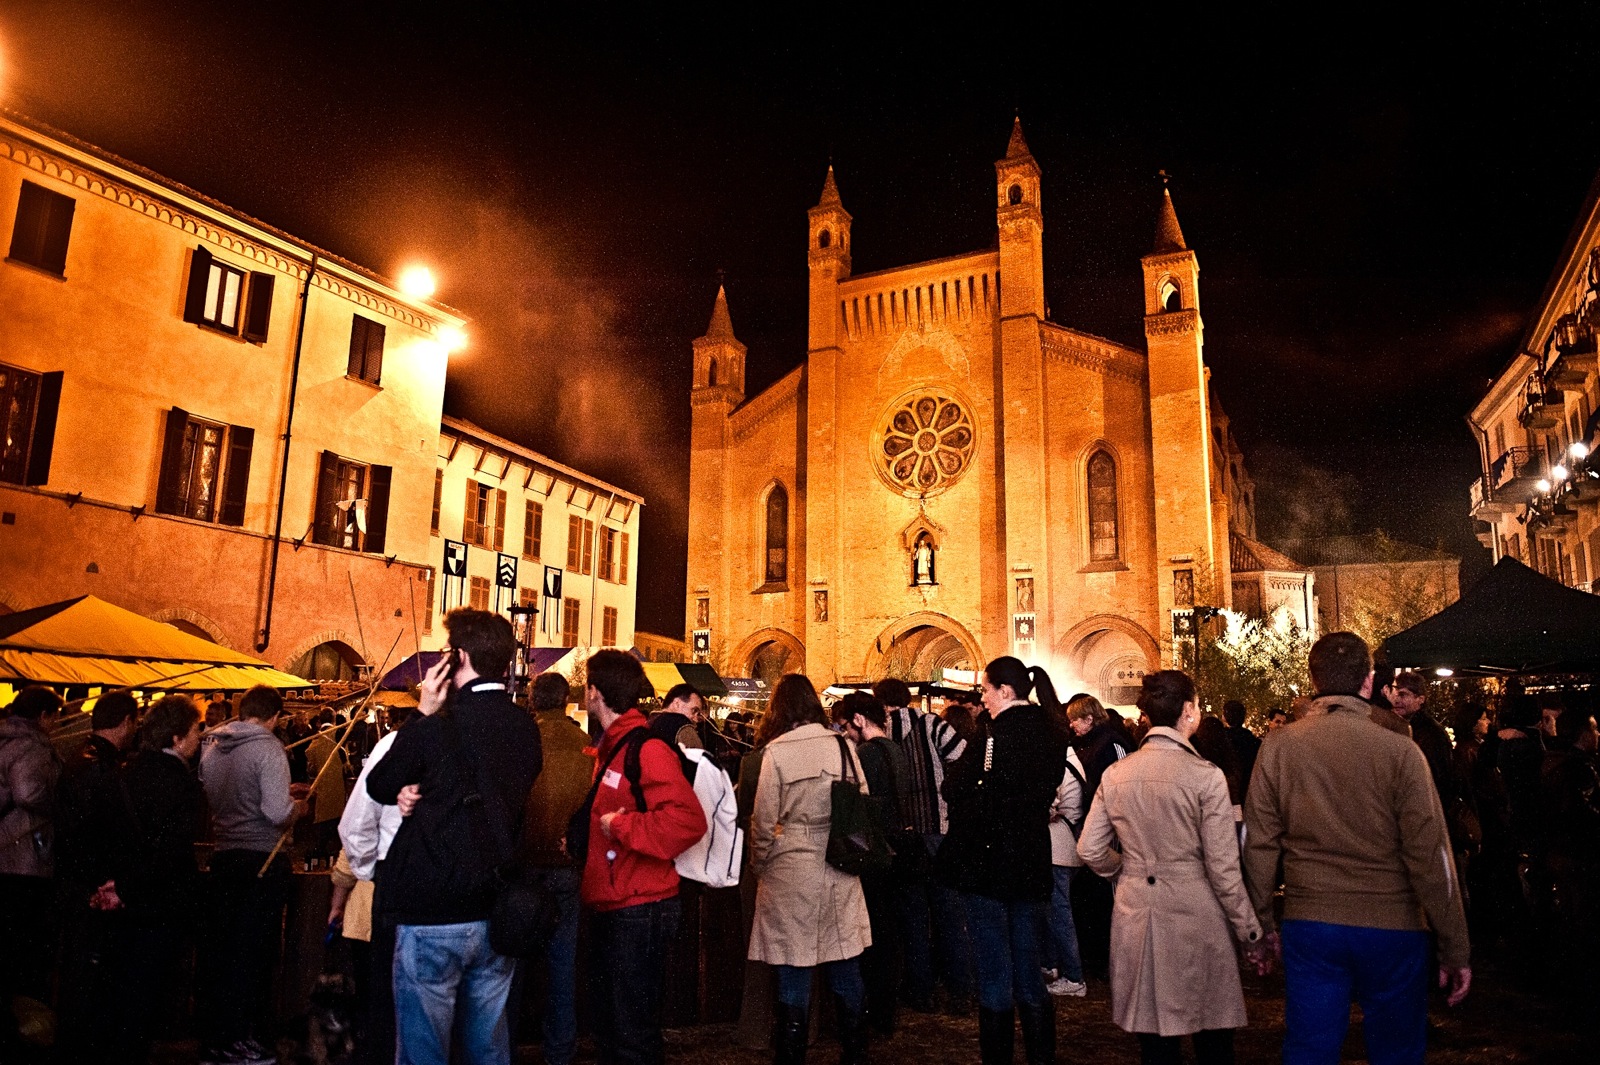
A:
[(1169, 236), (830, 191), (721, 327), (1016, 147), (1253, 556), (1368, 548)]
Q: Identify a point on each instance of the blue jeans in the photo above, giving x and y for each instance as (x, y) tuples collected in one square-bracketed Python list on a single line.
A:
[(627, 974), (844, 980), (1385, 970), (1063, 941), (1005, 945), (934, 923), (447, 979), (561, 965)]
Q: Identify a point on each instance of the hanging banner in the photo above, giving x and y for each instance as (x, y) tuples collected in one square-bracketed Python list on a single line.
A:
[(455, 559), (505, 571)]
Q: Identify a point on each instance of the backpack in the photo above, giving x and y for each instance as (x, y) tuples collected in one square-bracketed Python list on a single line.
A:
[(1083, 805), (714, 859)]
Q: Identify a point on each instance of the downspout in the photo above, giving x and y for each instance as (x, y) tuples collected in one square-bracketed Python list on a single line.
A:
[(594, 574), (283, 473)]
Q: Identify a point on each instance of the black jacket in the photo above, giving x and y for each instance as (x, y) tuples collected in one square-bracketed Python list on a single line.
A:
[(154, 867), (431, 873), (999, 839), (91, 814)]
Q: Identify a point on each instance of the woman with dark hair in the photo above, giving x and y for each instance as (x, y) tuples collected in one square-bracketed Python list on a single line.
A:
[(1212, 741), (997, 853), (156, 881), (1162, 823), (808, 913)]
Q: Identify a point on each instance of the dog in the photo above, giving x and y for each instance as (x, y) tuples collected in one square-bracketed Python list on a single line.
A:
[(325, 1035)]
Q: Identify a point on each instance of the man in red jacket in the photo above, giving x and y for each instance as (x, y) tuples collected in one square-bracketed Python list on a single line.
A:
[(629, 883)]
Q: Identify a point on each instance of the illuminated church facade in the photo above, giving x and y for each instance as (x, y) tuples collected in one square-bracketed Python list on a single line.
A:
[(950, 476)]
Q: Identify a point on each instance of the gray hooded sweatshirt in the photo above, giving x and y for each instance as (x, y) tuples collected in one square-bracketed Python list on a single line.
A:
[(246, 777)]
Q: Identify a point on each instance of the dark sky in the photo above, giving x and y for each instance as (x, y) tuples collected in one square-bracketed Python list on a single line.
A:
[(1376, 208)]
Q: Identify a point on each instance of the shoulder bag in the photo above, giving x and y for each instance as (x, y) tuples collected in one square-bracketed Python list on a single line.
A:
[(856, 844)]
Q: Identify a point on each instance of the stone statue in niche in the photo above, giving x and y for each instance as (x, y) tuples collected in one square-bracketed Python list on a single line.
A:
[(922, 561), (819, 605), (1024, 595)]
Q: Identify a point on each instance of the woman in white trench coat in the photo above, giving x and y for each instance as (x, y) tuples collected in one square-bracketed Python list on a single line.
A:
[(1180, 900)]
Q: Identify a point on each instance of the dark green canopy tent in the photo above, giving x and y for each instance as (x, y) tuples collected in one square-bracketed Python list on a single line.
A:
[(1512, 621)]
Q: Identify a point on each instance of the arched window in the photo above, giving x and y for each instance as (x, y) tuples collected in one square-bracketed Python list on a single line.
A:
[(711, 374), (1171, 296), (824, 239), (1015, 195), (1102, 507), (777, 535)]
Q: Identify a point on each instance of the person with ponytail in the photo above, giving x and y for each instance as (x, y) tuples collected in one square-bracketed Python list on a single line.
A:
[(1162, 825), (997, 853)]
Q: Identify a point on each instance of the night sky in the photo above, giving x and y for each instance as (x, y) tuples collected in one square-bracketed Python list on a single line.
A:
[(1375, 209)]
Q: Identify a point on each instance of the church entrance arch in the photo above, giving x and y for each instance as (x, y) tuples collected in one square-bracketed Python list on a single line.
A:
[(769, 654), (1109, 656), (329, 660), (922, 646)]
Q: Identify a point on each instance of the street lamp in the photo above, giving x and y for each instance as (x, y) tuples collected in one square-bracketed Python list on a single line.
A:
[(417, 282), (1579, 451)]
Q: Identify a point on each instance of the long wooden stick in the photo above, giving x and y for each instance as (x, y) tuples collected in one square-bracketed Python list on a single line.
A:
[(357, 716)]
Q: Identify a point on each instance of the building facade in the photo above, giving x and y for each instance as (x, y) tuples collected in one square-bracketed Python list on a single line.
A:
[(949, 475), (532, 532), (208, 421), (1372, 583), (1537, 498)]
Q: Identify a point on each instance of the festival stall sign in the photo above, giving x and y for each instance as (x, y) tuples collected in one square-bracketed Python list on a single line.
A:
[(88, 641), (747, 689), (1512, 621)]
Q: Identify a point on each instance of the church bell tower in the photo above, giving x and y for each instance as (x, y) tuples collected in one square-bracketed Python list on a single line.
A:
[(717, 388)]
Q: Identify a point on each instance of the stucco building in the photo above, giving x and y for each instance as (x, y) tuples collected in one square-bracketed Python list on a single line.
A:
[(1538, 496), (949, 475), (207, 420)]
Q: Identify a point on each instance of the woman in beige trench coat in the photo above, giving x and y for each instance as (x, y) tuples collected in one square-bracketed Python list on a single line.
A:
[(808, 913), (1180, 900)]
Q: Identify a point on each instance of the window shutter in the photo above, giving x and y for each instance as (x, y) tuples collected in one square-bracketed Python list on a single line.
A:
[(170, 486), (259, 314), (27, 232), (326, 518), (358, 345), (499, 519), (378, 478), (574, 541), (235, 489), (194, 306), (588, 547), (438, 499), (469, 515), (57, 233), (373, 368), (622, 561), (44, 429)]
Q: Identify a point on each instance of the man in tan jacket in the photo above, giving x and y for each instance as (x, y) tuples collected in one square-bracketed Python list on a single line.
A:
[(1351, 811)]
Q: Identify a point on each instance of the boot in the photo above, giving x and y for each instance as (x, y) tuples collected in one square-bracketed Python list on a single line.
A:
[(996, 1036), (1039, 1032), (852, 1033), (791, 1030)]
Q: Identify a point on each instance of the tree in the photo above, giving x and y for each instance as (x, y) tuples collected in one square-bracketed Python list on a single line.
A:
[(1412, 590)]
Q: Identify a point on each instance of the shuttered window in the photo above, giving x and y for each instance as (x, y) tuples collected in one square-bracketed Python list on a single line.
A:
[(352, 508), (29, 403), (483, 520), (205, 469), (588, 547), (622, 561), (220, 295), (532, 529), (608, 554), (366, 349), (608, 627), (43, 228), (569, 623), (574, 542), (479, 593)]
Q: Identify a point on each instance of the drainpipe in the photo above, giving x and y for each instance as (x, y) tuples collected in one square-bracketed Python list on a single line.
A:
[(283, 473)]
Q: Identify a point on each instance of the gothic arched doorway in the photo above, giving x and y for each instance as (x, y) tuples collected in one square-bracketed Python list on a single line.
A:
[(922, 646), (1109, 656), (332, 660), (769, 654)]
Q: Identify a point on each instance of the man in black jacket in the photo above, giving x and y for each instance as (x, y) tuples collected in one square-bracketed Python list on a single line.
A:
[(462, 774)]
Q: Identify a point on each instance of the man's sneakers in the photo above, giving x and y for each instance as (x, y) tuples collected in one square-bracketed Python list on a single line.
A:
[(1061, 987), (244, 1052)]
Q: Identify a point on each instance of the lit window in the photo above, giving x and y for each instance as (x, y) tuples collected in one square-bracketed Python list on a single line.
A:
[(777, 571), (1102, 508)]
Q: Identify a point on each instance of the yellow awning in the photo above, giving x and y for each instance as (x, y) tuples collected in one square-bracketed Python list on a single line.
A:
[(663, 676)]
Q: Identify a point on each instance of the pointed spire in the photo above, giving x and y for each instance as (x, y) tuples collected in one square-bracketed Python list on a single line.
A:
[(1169, 235), (721, 327), (1017, 148), (830, 191)]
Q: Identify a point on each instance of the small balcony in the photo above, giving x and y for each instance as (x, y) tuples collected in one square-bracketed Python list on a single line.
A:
[(1570, 370), (1485, 505), (1542, 408)]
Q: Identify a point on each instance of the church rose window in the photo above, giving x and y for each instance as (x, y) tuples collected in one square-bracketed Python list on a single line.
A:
[(926, 443)]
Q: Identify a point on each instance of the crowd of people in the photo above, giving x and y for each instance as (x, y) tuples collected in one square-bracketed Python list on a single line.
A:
[(1012, 847)]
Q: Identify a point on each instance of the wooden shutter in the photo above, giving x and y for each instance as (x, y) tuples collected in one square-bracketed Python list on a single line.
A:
[(588, 547), (499, 519), (236, 483), (622, 561), (170, 487), (470, 531), (574, 542), (326, 518), (27, 232), (378, 478), (259, 309), (538, 529), (358, 346), (44, 429), (194, 305), (373, 370), (438, 499)]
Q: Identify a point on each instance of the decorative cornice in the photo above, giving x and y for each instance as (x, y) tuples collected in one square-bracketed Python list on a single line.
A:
[(1091, 353), (759, 409), (711, 395), (1169, 323), (192, 222), (1171, 258)]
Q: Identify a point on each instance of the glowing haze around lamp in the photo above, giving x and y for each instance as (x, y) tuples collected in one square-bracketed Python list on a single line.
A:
[(1542, 485), (450, 339), (417, 282), (1559, 472), (1579, 450)]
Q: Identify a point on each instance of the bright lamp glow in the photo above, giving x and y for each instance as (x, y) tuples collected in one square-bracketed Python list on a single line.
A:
[(1559, 472), (417, 282), (1542, 485), (1579, 450), (450, 338), (1443, 671)]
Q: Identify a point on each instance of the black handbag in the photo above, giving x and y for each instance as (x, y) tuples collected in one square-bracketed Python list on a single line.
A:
[(856, 843)]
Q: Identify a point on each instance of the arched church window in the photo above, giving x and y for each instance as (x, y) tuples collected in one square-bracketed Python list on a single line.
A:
[(777, 535), (1015, 195), (824, 239), (711, 373), (1171, 296), (1102, 507)]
